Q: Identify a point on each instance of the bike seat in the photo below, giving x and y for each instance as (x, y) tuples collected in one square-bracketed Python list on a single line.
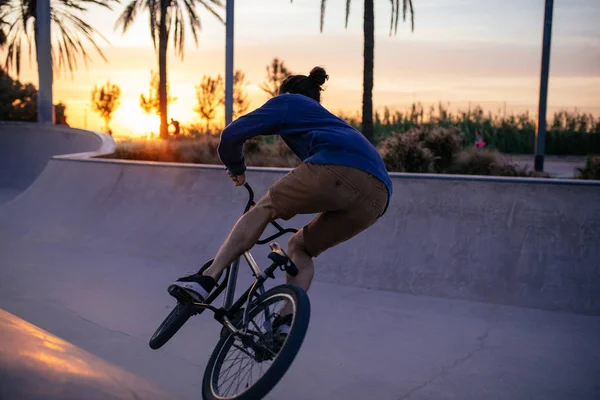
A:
[(277, 255), (279, 258)]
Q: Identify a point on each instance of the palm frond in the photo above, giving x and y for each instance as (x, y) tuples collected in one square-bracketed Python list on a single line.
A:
[(153, 7), (409, 4), (322, 14), (128, 15), (195, 23), (347, 12), (412, 16), (69, 28), (393, 14), (210, 8), (179, 33)]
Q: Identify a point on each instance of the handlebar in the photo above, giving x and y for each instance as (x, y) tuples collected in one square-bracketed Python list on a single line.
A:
[(250, 204)]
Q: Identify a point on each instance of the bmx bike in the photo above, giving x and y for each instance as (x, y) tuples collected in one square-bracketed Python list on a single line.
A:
[(250, 357)]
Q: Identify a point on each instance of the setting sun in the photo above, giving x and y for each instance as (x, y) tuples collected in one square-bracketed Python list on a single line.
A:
[(131, 117)]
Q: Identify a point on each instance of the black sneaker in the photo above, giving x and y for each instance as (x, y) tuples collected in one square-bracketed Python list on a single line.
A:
[(196, 286), (282, 325), (281, 329)]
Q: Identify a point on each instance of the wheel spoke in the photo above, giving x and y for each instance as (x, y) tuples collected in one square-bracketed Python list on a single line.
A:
[(238, 367), (231, 366), (240, 376)]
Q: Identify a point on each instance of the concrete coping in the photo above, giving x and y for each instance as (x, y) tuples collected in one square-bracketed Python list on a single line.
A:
[(107, 144), (82, 157)]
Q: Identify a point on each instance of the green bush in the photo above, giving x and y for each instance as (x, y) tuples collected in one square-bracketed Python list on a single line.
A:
[(591, 169), (488, 162), (429, 148), (475, 162), (203, 150), (406, 153), (569, 132), (444, 144)]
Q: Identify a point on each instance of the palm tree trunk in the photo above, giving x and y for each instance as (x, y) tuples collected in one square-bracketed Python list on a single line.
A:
[(43, 48), (163, 39), (369, 55)]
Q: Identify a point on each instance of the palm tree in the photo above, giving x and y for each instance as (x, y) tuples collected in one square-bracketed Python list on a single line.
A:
[(164, 16), (3, 3), (69, 27), (369, 51)]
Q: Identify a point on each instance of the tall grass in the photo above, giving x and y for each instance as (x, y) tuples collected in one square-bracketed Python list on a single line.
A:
[(569, 132)]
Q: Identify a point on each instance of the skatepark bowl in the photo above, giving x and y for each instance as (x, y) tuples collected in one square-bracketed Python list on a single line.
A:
[(467, 288)]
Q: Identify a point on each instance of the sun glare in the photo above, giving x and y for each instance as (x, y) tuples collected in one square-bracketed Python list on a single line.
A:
[(132, 121)]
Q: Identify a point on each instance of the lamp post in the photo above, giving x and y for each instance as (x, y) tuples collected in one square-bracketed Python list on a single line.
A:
[(540, 137), (229, 62)]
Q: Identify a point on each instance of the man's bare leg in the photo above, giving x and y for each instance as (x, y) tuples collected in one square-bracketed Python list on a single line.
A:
[(242, 237), (303, 261)]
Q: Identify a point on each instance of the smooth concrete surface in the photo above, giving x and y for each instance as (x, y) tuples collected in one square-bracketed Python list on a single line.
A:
[(531, 243), (34, 364), (25, 149), (361, 345), (88, 250)]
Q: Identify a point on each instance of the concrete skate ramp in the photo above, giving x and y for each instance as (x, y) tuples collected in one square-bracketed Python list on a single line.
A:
[(506, 241), (35, 364), (88, 251), (25, 149)]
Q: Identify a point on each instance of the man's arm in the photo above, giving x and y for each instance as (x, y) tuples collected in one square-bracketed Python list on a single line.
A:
[(265, 120)]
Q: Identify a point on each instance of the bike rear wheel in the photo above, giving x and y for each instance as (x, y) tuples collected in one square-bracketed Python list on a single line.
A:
[(174, 321), (233, 366)]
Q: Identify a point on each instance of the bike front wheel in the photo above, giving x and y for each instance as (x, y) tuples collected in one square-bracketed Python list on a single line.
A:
[(248, 370), (174, 321)]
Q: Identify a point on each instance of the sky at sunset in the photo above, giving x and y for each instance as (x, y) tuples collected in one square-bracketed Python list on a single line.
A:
[(480, 51)]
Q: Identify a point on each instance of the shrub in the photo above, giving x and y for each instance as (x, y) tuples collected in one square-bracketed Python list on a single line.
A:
[(203, 150), (591, 169), (199, 151), (569, 132), (488, 162), (444, 144), (404, 152), (475, 162)]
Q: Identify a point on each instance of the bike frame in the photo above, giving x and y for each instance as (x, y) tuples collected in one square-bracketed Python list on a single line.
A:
[(229, 308)]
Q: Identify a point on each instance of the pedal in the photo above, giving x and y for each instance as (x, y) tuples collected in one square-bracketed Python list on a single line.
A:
[(181, 295)]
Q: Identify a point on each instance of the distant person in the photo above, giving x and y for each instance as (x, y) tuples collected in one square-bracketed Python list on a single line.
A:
[(342, 177), (176, 131), (479, 142)]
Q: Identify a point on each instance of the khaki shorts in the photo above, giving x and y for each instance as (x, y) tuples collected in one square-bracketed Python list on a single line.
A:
[(348, 201)]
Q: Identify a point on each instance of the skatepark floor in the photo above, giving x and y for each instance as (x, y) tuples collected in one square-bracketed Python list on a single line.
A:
[(361, 343)]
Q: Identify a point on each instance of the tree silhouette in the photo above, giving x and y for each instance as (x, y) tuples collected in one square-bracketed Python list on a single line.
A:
[(105, 100), (150, 104), (277, 71), (369, 50), (166, 17), (71, 30), (240, 97), (210, 94), (3, 24), (18, 102)]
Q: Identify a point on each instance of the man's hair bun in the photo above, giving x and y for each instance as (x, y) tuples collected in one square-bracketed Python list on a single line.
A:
[(318, 75)]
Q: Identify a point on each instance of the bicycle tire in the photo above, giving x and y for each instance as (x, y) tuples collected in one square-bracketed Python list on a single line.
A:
[(284, 357), (171, 324)]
